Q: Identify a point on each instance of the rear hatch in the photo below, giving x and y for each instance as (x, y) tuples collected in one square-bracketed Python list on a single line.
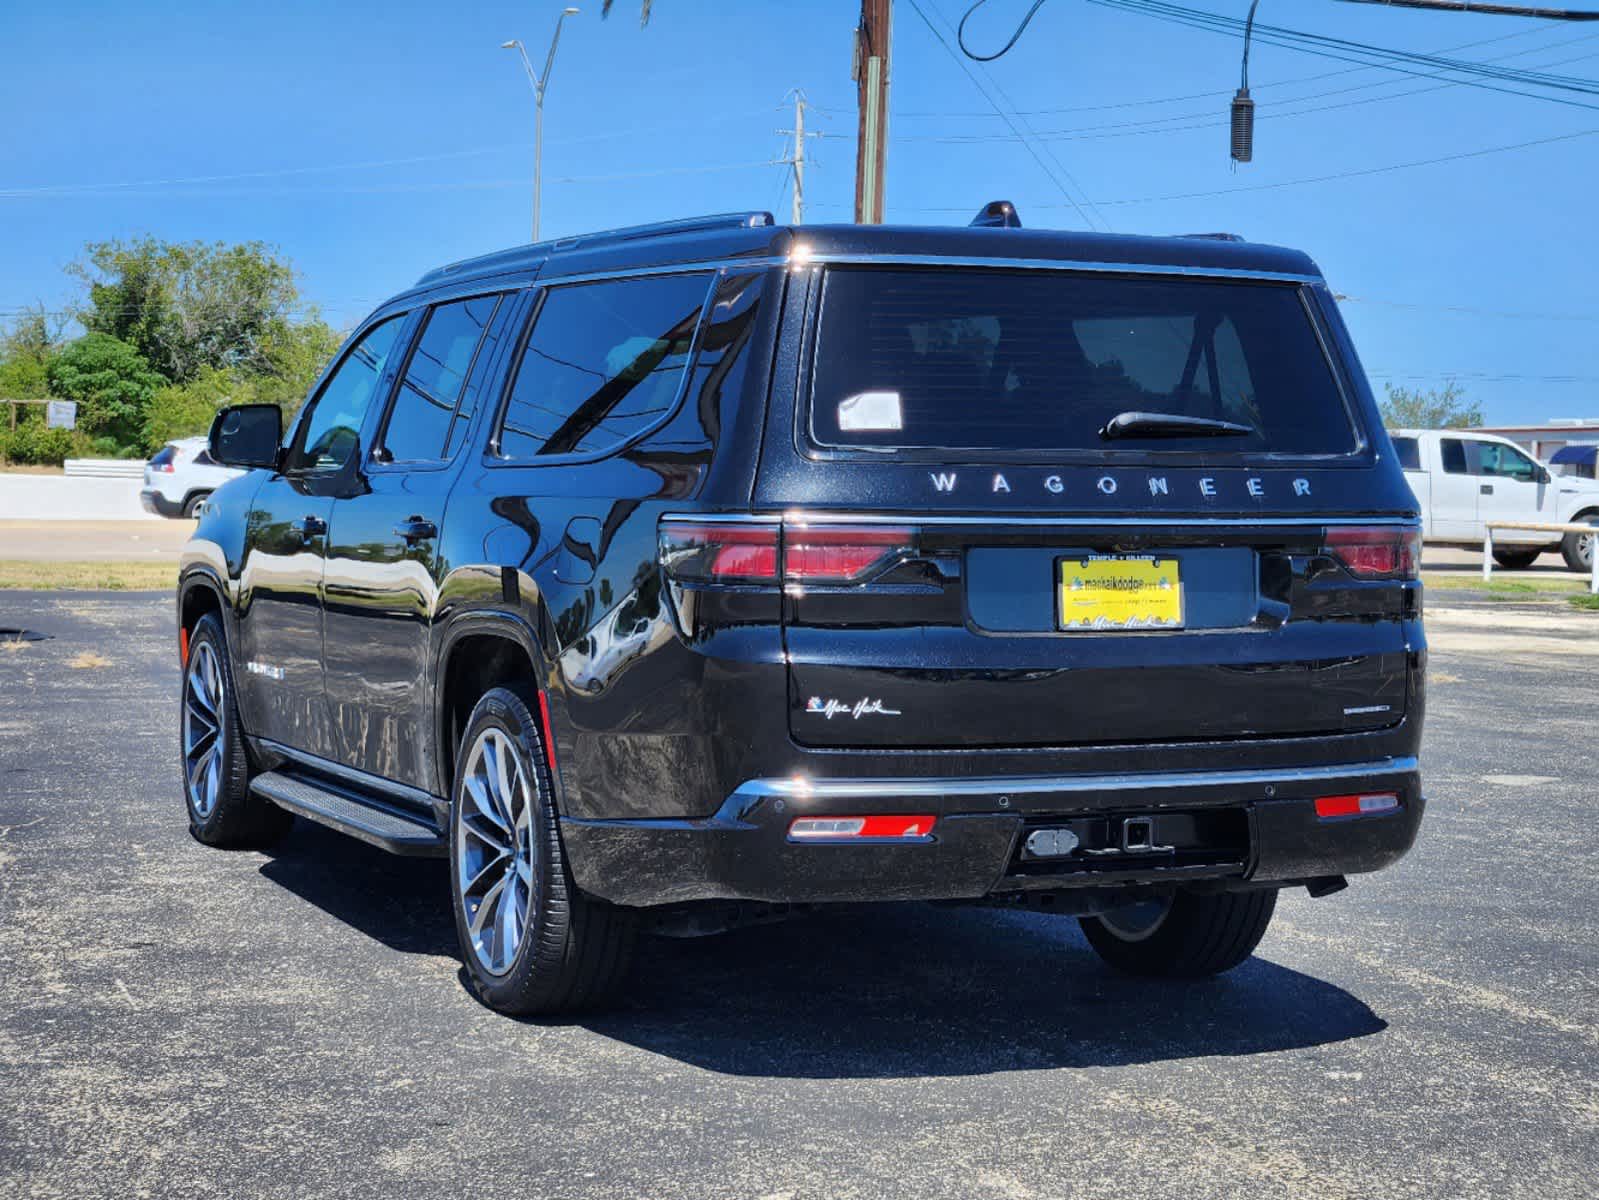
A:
[(1046, 508)]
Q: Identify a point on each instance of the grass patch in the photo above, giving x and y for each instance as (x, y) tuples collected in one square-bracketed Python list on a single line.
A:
[(89, 576), (1522, 586), (1587, 601)]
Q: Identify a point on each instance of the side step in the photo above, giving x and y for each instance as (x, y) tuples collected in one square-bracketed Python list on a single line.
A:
[(383, 827)]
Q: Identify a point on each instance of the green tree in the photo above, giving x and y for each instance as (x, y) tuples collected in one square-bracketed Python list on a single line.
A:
[(25, 352), (184, 409), (112, 383), (295, 355), (1441, 408), (186, 306)]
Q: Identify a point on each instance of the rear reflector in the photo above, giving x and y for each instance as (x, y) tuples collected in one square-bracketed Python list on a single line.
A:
[(1356, 806), (840, 554), (1375, 551), (834, 829)]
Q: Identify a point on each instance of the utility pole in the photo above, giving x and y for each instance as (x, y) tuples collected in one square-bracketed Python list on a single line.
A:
[(872, 40), (796, 158), (540, 82)]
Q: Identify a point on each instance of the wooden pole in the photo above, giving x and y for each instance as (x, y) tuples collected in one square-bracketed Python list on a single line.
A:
[(872, 41)]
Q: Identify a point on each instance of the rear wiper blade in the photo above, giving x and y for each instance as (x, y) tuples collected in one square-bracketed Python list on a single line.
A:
[(1158, 425)]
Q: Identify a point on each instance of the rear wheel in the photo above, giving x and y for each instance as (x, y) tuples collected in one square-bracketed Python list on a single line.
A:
[(1187, 935), (1577, 548), (531, 942), (191, 505), (216, 771), (1516, 560)]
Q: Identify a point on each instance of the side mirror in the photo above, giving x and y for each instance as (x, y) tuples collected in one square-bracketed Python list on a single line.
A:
[(1545, 475), (247, 435)]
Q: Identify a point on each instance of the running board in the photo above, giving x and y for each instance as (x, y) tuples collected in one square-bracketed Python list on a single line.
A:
[(338, 809)]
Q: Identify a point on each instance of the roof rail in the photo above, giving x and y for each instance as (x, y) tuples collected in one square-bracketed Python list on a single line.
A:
[(1211, 237), (628, 233)]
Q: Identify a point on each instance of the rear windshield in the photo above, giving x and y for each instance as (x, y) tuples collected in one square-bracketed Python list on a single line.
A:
[(1038, 361), (163, 456)]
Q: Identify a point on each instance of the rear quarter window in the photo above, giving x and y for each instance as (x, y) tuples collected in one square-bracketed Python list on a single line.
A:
[(1408, 451), (1037, 362)]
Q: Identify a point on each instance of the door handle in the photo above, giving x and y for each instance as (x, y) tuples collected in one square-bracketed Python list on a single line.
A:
[(1487, 489), (415, 529), (310, 527)]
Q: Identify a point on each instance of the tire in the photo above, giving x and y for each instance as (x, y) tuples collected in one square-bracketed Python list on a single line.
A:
[(532, 944), (215, 765), (1516, 560), (1577, 548), (1195, 935), (191, 504)]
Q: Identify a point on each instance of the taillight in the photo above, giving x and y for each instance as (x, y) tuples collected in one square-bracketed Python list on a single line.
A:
[(711, 552), (840, 553), (748, 553), (1369, 805), (1375, 551)]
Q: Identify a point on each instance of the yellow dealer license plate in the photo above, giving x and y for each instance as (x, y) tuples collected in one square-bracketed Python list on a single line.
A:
[(1120, 591)]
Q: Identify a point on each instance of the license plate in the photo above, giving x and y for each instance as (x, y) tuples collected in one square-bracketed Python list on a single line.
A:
[(1120, 591)]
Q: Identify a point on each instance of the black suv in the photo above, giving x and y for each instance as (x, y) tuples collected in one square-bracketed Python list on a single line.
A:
[(684, 575)]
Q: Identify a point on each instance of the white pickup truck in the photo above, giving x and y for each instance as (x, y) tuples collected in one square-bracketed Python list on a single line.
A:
[(1464, 480)]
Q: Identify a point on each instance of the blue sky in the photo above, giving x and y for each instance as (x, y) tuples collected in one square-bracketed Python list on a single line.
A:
[(370, 141)]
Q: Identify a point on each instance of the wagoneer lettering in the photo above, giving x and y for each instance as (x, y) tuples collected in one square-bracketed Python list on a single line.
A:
[(637, 576)]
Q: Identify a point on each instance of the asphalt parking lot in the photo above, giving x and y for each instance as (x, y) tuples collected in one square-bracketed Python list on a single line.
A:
[(177, 1021)]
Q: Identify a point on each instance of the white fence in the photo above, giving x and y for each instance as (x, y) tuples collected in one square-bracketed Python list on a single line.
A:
[(1538, 527), (105, 468)]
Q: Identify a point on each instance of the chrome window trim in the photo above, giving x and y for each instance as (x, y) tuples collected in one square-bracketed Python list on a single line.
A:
[(803, 258), (1154, 520), (755, 789)]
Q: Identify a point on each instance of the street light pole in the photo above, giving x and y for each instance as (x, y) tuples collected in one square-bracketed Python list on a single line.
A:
[(539, 82)]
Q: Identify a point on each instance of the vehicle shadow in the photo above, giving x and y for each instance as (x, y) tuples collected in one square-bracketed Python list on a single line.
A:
[(880, 991), (903, 991)]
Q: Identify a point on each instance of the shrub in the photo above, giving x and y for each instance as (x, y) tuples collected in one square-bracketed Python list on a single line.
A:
[(33, 444)]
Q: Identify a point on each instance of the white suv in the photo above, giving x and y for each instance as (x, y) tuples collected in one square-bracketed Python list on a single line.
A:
[(1463, 480), (179, 476)]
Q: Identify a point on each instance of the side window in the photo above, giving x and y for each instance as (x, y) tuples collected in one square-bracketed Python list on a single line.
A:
[(329, 433), (1454, 451), (1409, 452), (425, 404), (604, 361), (1506, 462)]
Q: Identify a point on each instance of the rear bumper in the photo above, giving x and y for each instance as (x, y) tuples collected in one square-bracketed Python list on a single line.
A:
[(743, 851), (155, 502)]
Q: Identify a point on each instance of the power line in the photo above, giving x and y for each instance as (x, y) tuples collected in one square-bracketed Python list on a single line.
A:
[(1207, 120), (1286, 183), (1038, 158), (1320, 75)]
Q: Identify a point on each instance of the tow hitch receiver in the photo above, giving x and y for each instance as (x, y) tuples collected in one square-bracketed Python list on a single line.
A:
[(1134, 841)]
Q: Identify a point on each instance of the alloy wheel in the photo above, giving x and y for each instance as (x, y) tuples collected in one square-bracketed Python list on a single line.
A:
[(495, 850), (204, 733), (1137, 921)]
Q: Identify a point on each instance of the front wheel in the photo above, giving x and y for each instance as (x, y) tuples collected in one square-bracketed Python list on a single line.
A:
[(1186, 935), (531, 942), (1577, 548), (216, 771)]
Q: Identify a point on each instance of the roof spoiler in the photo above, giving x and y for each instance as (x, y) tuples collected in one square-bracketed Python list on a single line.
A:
[(997, 214)]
